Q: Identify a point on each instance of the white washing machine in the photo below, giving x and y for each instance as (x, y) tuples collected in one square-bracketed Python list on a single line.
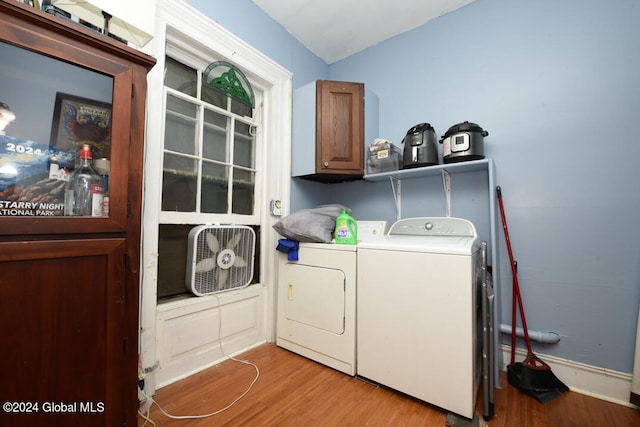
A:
[(317, 300), (419, 311)]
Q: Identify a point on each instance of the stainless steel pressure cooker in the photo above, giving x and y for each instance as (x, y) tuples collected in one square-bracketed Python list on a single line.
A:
[(462, 142)]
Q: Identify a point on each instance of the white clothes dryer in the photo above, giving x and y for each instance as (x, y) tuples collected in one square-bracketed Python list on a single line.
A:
[(316, 314), (316, 304), (419, 311)]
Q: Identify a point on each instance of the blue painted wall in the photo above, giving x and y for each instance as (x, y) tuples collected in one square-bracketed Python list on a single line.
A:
[(556, 85)]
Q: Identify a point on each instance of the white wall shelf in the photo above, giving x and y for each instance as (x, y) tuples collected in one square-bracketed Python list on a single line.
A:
[(460, 167)]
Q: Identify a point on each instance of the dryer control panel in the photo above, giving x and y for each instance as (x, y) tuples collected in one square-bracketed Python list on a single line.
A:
[(434, 226)]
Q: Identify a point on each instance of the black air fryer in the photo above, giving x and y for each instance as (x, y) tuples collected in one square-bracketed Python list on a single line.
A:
[(420, 147)]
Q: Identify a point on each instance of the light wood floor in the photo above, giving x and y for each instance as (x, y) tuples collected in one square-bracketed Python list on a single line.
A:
[(295, 391)]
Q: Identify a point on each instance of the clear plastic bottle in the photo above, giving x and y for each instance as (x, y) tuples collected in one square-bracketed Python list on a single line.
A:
[(84, 191)]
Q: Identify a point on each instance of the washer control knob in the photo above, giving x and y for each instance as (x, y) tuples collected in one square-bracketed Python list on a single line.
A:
[(429, 226)]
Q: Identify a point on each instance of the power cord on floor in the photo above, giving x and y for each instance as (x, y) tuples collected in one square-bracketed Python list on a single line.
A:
[(145, 414), (146, 418)]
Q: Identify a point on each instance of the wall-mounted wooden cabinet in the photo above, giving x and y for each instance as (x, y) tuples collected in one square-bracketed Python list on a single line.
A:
[(69, 284), (332, 122)]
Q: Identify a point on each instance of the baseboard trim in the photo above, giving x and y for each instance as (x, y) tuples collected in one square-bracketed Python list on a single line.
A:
[(208, 365), (605, 384)]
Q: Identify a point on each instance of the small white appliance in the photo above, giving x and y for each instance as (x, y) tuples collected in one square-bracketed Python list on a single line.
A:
[(419, 311), (317, 300)]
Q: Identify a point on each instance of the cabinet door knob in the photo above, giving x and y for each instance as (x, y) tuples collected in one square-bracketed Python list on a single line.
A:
[(326, 164)]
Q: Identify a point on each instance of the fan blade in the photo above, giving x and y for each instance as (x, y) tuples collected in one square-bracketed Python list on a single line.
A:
[(239, 262), (234, 241), (222, 278), (212, 242), (205, 265)]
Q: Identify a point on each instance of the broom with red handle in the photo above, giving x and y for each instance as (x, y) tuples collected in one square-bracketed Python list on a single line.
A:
[(534, 376), (517, 297)]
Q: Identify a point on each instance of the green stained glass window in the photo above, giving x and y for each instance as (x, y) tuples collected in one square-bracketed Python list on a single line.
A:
[(229, 79)]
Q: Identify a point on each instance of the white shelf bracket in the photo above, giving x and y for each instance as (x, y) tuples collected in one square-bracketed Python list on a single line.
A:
[(446, 182), (397, 195)]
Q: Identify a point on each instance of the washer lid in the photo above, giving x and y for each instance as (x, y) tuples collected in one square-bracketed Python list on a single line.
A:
[(450, 245)]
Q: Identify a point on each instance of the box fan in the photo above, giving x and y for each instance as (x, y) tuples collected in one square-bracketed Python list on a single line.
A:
[(220, 258)]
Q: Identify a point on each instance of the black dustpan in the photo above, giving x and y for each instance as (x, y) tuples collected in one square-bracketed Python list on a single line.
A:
[(539, 383), (532, 376)]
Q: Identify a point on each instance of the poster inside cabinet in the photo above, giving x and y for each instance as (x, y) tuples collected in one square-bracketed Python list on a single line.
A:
[(32, 177)]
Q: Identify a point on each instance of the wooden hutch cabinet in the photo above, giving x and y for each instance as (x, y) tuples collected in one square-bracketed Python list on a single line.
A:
[(68, 284), (330, 130)]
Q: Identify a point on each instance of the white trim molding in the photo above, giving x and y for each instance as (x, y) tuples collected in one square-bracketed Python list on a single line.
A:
[(601, 383)]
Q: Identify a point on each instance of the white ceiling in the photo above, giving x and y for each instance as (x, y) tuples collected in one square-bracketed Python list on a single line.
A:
[(336, 29)]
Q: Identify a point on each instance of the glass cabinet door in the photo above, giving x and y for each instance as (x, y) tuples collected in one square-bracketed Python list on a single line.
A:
[(55, 137)]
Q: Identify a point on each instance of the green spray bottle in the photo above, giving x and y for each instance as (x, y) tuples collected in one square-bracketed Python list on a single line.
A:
[(346, 231)]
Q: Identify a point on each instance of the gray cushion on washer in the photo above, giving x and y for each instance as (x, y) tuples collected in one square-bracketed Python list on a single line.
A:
[(310, 225)]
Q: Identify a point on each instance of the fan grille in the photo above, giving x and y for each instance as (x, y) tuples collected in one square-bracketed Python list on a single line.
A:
[(221, 258)]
